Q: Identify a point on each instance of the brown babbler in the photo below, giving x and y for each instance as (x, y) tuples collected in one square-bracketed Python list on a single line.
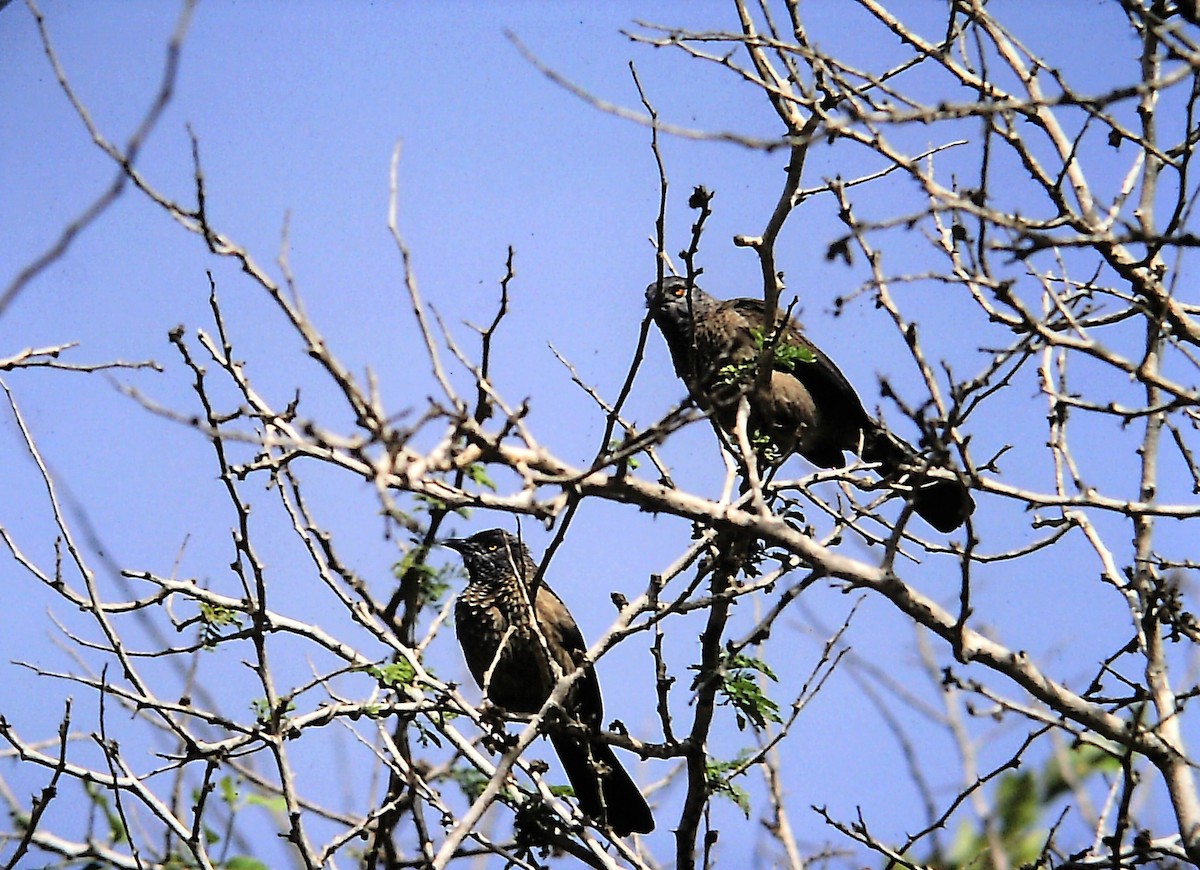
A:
[(518, 642)]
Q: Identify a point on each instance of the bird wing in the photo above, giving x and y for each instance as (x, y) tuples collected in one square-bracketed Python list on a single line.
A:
[(822, 378), (565, 640)]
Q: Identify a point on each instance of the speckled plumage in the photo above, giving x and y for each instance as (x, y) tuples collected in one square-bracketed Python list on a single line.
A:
[(806, 407), (512, 664)]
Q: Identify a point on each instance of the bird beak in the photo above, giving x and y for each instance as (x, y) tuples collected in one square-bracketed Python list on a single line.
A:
[(456, 544), (652, 295)]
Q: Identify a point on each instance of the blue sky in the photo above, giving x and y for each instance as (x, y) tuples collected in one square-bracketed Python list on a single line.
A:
[(297, 116)]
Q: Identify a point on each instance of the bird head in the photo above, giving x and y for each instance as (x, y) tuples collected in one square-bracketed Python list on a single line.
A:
[(673, 288), (675, 306), (491, 549)]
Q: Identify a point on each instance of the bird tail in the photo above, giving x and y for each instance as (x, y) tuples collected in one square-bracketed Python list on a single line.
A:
[(943, 502), (603, 787)]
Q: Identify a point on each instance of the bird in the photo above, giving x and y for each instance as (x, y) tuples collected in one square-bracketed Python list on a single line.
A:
[(518, 641), (805, 406)]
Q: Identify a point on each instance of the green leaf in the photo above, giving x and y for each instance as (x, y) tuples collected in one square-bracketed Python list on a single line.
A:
[(228, 790), (262, 710), (740, 689), (478, 473), (242, 862), (397, 673), (1021, 802), (614, 445), (213, 618), (277, 804), (1017, 803), (431, 583), (1082, 761), (219, 615), (432, 505), (716, 774), (116, 828), (787, 356), (741, 660), (968, 843), (470, 780)]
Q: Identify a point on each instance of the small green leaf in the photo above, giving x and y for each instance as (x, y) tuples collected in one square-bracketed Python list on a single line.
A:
[(470, 780), (739, 688), (242, 862), (277, 804), (433, 505), (397, 673), (228, 790), (213, 618), (1017, 802), (431, 585), (1081, 761), (614, 445), (717, 776), (745, 662), (787, 356), (116, 828), (478, 473), (262, 710)]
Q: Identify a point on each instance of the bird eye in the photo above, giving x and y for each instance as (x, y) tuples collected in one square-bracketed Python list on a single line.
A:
[(492, 547), (677, 292)]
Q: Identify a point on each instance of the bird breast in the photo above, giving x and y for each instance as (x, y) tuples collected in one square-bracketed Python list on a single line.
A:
[(506, 656)]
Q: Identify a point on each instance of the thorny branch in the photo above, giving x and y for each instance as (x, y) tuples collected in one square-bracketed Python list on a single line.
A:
[(1065, 276)]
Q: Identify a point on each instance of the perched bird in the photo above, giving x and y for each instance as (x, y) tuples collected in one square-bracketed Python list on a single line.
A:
[(805, 406), (509, 642)]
